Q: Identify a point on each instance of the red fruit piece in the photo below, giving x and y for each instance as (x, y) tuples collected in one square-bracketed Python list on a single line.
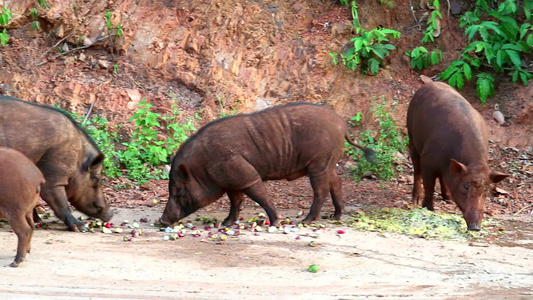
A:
[(341, 232)]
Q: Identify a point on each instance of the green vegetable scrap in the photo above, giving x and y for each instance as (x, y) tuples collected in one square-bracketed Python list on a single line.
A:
[(420, 222), (313, 268)]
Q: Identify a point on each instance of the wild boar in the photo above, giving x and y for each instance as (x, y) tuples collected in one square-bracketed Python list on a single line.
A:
[(20, 183), (448, 140), (69, 159), (235, 154)]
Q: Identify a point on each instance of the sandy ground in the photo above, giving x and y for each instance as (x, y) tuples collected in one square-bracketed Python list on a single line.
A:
[(67, 265)]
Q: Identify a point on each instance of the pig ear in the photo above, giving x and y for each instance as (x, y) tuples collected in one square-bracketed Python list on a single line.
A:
[(91, 161), (496, 177), (184, 172), (457, 168)]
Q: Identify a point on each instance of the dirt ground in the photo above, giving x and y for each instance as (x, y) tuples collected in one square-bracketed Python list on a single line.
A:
[(352, 265)]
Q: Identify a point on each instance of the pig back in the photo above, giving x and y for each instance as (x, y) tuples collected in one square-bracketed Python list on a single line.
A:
[(282, 142), (35, 130), (443, 125)]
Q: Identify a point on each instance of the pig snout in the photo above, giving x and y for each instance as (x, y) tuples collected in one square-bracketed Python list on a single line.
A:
[(106, 215), (474, 227), (473, 220), (166, 220)]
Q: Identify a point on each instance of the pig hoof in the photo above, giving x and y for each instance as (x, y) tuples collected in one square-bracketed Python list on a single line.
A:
[(14, 264), (228, 222), (307, 220)]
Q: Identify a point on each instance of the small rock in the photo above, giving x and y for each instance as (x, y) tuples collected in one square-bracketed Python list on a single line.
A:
[(166, 169), (87, 41), (498, 116), (455, 8), (104, 64)]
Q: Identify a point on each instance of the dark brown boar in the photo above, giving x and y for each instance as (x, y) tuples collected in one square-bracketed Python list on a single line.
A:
[(235, 154), (68, 158), (20, 182), (448, 140)]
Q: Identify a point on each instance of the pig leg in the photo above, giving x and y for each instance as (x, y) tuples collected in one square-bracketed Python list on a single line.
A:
[(335, 189), (320, 185), (57, 200), (417, 185), (236, 201), (258, 193), (23, 230), (429, 187), (31, 222), (445, 192), (36, 217)]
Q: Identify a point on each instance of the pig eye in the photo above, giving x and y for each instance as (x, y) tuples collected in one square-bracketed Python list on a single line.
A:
[(466, 186)]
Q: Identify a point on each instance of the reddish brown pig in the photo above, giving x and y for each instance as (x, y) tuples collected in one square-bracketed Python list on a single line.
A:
[(235, 154), (20, 184), (68, 158), (448, 140)]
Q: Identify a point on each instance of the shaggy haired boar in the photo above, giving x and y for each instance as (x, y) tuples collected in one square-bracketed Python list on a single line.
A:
[(234, 155), (68, 158), (448, 140), (20, 184)]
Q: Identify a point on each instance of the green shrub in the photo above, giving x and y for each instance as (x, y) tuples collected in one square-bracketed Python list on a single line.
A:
[(497, 41), (147, 148), (369, 49), (117, 29), (421, 58), (5, 17), (432, 23), (387, 143)]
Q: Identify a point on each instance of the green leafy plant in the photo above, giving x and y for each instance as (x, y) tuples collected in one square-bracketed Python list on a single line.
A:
[(457, 72), (223, 112), (433, 24), (356, 120), (497, 41), (5, 17), (386, 144), (35, 24), (369, 49), (110, 28), (43, 4), (146, 147), (387, 3), (421, 58)]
